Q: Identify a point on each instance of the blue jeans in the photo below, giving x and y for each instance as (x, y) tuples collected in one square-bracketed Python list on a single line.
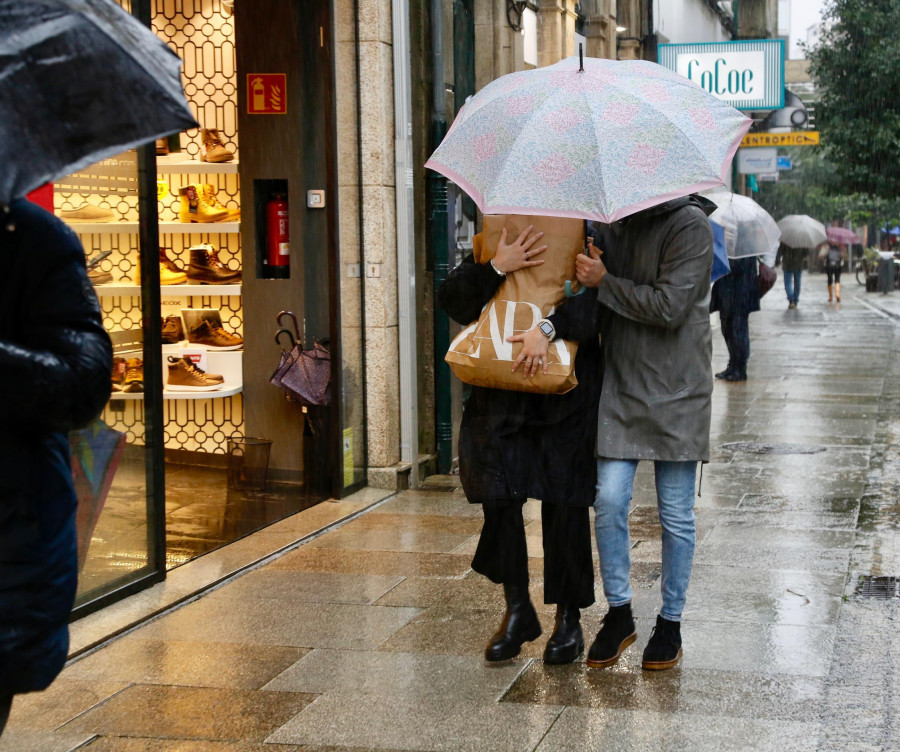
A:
[(675, 486), (792, 285)]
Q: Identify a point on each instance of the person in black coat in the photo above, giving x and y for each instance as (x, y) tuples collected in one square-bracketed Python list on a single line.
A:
[(514, 446), (55, 362), (735, 296)]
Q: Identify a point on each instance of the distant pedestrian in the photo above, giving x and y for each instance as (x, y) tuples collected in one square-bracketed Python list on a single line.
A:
[(834, 260), (55, 361), (735, 296), (792, 260)]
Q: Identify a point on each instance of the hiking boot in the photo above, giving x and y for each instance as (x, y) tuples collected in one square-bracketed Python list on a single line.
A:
[(206, 268), (520, 624), (171, 265), (134, 376), (162, 147), (87, 213), (172, 330), (664, 648), (184, 376), (567, 641), (212, 148), (194, 207), (616, 634), (214, 337), (209, 195), (166, 275), (118, 374)]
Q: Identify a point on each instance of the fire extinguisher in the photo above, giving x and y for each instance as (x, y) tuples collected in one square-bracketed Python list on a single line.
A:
[(278, 236)]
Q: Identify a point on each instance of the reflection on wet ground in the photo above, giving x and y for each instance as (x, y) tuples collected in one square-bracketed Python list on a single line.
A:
[(202, 514), (370, 636)]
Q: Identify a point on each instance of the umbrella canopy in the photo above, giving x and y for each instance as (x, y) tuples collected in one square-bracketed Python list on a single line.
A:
[(80, 80), (842, 236), (749, 229), (597, 144), (801, 231)]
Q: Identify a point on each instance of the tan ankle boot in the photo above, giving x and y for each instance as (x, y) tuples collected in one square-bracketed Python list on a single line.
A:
[(837, 291), (830, 287), (213, 148), (195, 207)]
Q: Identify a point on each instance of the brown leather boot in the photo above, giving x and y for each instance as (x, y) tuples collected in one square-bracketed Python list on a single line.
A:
[(206, 268)]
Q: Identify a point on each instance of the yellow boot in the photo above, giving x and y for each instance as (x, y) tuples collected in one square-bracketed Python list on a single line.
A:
[(209, 195), (195, 207), (837, 291), (830, 287)]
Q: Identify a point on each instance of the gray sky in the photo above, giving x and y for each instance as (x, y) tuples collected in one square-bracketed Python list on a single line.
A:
[(804, 13)]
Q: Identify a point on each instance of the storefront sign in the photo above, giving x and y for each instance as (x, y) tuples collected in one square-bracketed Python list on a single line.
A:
[(785, 163), (748, 75), (792, 138), (266, 93), (757, 161)]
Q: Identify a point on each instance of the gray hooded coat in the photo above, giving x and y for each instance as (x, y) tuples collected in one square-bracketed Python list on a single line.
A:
[(655, 403)]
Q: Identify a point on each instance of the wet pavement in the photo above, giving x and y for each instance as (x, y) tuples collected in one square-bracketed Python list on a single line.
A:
[(370, 635)]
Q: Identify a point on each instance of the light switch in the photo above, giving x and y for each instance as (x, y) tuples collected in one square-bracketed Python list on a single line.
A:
[(315, 199)]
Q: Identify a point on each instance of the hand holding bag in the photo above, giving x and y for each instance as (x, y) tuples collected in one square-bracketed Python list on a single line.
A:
[(480, 354), (765, 278)]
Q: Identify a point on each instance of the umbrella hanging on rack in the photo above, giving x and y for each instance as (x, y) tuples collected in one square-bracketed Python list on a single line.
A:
[(80, 80)]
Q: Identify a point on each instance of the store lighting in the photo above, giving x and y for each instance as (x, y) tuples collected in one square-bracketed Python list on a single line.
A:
[(620, 29)]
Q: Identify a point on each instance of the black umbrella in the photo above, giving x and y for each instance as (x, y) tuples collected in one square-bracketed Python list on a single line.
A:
[(80, 80)]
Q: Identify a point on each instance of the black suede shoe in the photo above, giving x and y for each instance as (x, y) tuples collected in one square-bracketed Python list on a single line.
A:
[(520, 624), (724, 374), (664, 648), (616, 634), (739, 374), (567, 641)]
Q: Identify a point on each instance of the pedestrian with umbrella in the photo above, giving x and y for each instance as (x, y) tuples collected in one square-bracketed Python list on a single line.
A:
[(751, 239), (799, 234), (834, 257), (79, 80), (607, 141)]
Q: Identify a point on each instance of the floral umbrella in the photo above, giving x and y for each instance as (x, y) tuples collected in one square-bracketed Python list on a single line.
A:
[(842, 236), (599, 143)]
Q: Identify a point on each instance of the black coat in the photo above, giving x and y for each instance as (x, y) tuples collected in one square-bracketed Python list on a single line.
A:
[(737, 292), (55, 361), (516, 445)]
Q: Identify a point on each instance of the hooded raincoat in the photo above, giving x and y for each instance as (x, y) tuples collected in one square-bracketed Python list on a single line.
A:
[(655, 402)]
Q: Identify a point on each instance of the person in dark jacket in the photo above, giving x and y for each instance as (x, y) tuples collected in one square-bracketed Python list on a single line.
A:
[(55, 361), (735, 296), (514, 446), (653, 287), (792, 260)]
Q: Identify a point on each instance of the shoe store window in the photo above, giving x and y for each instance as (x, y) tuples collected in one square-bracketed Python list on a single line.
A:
[(152, 473)]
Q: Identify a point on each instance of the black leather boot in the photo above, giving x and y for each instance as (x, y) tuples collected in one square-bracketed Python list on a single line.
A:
[(520, 624), (567, 641)]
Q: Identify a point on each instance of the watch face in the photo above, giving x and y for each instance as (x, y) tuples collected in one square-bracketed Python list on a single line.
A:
[(546, 328)]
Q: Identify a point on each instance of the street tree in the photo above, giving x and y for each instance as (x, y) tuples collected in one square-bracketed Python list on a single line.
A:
[(856, 66)]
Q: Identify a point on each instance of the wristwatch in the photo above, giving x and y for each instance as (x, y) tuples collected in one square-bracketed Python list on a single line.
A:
[(547, 329), (494, 267)]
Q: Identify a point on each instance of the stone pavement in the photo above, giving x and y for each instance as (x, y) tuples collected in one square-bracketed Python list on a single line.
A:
[(370, 636)]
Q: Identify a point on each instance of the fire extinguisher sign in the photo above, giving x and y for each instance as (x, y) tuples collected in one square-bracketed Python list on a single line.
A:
[(266, 94)]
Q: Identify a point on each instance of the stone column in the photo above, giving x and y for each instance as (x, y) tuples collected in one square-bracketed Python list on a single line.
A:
[(498, 49), (600, 28), (556, 30)]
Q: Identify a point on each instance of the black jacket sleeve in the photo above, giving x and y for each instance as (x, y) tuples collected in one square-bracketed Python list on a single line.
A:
[(55, 356), (467, 290), (578, 318)]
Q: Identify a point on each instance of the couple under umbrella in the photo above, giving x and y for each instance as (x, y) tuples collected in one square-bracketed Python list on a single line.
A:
[(80, 80), (626, 145)]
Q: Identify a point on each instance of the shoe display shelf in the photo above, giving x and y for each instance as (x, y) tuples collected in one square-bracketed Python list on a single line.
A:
[(227, 363), (114, 289), (181, 164), (174, 228)]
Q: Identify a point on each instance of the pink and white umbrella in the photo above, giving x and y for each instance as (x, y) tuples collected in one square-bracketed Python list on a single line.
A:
[(842, 236), (602, 143)]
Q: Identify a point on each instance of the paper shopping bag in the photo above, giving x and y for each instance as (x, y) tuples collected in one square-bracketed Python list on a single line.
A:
[(480, 354)]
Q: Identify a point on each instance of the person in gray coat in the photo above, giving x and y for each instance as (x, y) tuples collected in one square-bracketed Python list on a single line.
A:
[(653, 287)]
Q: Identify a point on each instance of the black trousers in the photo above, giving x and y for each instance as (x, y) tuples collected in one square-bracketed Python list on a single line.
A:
[(834, 274), (502, 554), (736, 331), (5, 705)]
